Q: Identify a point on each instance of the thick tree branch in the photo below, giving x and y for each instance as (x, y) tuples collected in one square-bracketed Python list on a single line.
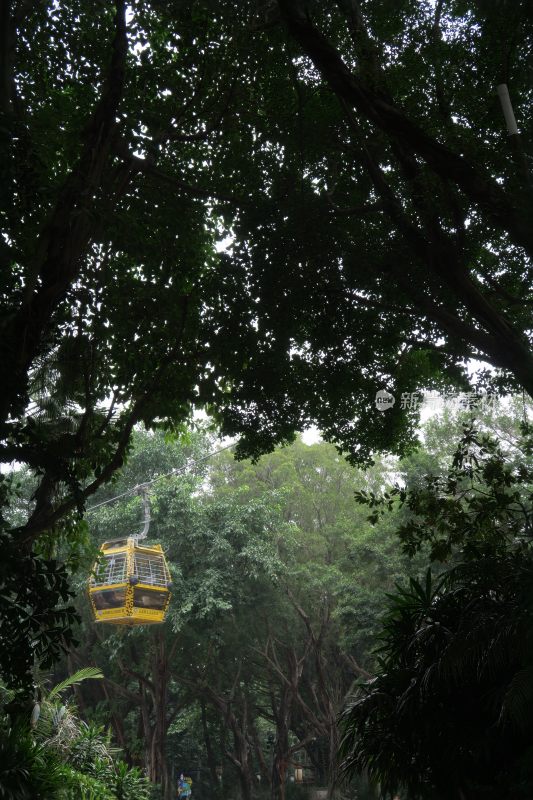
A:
[(501, 343), (47, 517), (146, 166), (395, 123), (119, 689)]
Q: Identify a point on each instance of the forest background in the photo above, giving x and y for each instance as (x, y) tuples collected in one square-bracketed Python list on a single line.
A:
[(280, 588)]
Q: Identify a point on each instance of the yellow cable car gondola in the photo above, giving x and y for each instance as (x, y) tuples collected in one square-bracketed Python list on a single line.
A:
[(130, 583)]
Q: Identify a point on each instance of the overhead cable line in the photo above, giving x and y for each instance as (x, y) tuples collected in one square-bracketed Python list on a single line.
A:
[(176, 471)]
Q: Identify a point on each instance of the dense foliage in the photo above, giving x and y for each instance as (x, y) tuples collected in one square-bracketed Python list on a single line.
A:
[(448, 713), (398, 244), (36, 613), (53, 755)]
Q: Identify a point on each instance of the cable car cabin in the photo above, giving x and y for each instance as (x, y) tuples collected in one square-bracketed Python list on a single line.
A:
[(130, 584)]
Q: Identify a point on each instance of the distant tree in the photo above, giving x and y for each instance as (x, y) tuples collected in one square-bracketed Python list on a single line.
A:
[(223, 562), (315, 641), (266, 632)]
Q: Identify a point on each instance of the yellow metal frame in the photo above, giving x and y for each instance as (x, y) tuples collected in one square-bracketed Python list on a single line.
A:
[(129, 614)]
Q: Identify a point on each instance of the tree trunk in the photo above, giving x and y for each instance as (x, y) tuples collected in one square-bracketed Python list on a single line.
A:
[(160, 678), (147, 728), (279, 769), (333, 772), (211, 760), (246, 782), (116, 720), (242, 751), (282, 751), (159, 766), (263, 767), (240, 757)]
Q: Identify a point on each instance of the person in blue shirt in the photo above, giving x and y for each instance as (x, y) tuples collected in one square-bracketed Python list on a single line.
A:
[(184, 787)]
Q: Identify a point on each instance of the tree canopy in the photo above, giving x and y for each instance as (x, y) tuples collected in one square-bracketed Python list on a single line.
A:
[(399, 244), (377, 214)]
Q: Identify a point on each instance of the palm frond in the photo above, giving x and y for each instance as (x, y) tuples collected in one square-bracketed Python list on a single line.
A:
[(516, 704), (84, 674)]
